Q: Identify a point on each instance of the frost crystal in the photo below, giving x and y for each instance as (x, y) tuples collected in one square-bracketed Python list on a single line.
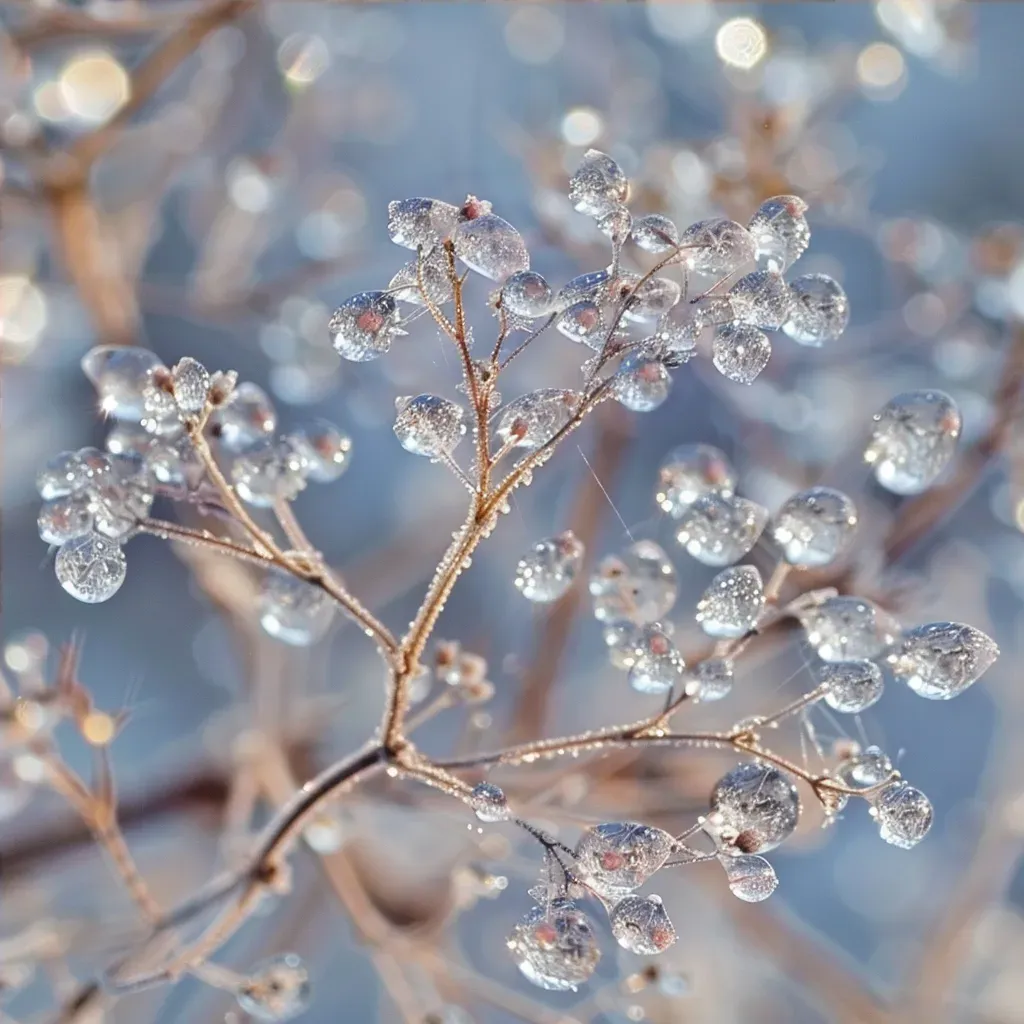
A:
[(277, 989), (848, 629), (751, 878), (851, 686), (740, 352), (942, 659), (548, 570), (756, 807), (639, 586), (904, 814), (91, 568), (533, 419), (294, 611), (642, 382), (363, 326), (780, 232), (819, 310), (718, 529), (555, 947), (690, 471), (814, 526), (598, 184), (429, 425), (641, 925), (733, 602), (617, 857)]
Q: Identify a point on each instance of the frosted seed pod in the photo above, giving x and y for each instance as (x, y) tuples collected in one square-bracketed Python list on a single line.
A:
[(761, 299), (248, 418), (548, 570), (490, 803), (655, 233), (865, 768), (598, 184), (740, 352), (583, 322), (719, 529), (429, 425), (641, 925), (751, 878), (651, 299), (848, 628), (267, 473), (616, 225), (120, 374), (326, 449), (851, 686), (363, 326), (913, 439), (527, 294), (733, 602), (757, 806), (642, 382), (622, 638), (690, 471), (63, 519), (91, 568), (420, 222), (594, 285), (412, 282), (639, 585), (713, 680), (533, 419), (814, 526), (61, 476), (780, 232), (819, 310), (277, 989), (616, 857), (904, 814), (294, 611), (488, 244), (942, 659), (717, 246), (658, 666), (555, 947), (191, 383)]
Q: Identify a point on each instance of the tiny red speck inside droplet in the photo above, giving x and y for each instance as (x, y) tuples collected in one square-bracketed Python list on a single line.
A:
[(612, 861), (545, 933), (370, 321)]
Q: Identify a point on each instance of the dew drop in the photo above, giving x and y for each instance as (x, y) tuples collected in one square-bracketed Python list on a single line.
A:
[(813, 527), (326, 450), (640, 585), (555, 947), (690, 471), (248, 418), (717, 246), (751, 878), (719, 529), (757, 805), (292, 610), (642, 382), (851, 686), (942, 659), (780, 232), (733, 602), (363, 326), (533, 419), (740, 352), (490, 803), (429, 425), (655, 233), (488, 244), (903, 814), (598, 184), (819, 310), (642, 925), (616, 857), (548, 570), (91, 568)]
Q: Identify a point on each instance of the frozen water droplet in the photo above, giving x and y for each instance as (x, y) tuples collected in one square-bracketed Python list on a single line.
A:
[(639, 585), (594, 285), (690, 471), (718, 529), (642, 382), (904, 814), (814, 526), (658, 666), (120, 374), (120, 499), (421, 222), (490, 245), (533, 419), (642, 925), (490, 803), (852, 686), (819, 310), (717, 246), (678, 331), (429, 425), (583, 322), (616, 857), (848, 628), (294, 611), (761, 299), (740, 352), (650, 299), (555, 948), (942, 659), (616, 224), (268, 472), (278, 989), (713, 680), (191, 382), (548, 570), (780, 232), (527, 294), (913, 439), (865, 769), (757, 805), (433, 275), (248, 418), (326, 449), (751, 878), (733, 602), (91, 568), (655, 233), (363, 326), (61, 476), (622, 638), (62, 519), (598, 184)]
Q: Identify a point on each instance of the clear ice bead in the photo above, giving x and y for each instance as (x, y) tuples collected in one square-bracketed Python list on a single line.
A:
[(651, 299), (61, 476), (363, 326), (751, 878), (780, 232), (91, 568), (819, 310), (639, 586), (421, 222), (548, 570), (292, 610), (267, 473), (733, 602), (719, 529), (191, 383), (713, 680), (641, 925), (642, 383), (814, 526), (847, 628), (864, 769), (489, 803), (595, 285), (903, 814), (277, 989), (756, 807), (913, 439), (527, 294), (761, 299), (122, 499), (616, 857), (615, 224), (740, 352), (555, 947), (533, 419), (598, 184), (851, 686), (429, 425), (622, 638), (942, 659), (583, 322), (658, 666), (433, 276), (120, 374), (678, 331), (690, 471), (717, 246), (326, 449), (247, 419), (490, 245), (655, 233), (62, 519)]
